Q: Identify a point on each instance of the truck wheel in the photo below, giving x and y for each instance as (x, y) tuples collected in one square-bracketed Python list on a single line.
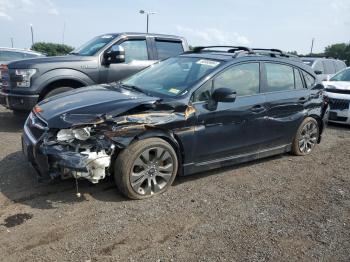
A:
[(58, 90), (145, 168), (306, 137)]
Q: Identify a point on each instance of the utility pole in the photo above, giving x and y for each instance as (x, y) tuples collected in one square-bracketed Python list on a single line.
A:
[(312, 45), (12, 42), (64, 28), (31, 30), (148, 13)]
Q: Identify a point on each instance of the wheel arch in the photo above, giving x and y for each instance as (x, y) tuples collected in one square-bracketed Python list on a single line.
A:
[(320, 125), (166, 135), (74, 83)]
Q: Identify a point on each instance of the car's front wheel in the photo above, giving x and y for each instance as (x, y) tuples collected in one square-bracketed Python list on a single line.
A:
[(306, 137), (146, 168)]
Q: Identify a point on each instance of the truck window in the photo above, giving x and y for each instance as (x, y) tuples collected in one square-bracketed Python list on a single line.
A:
[(319, 67), (167, 49), (328, 67), (135, 50), (10, 55)]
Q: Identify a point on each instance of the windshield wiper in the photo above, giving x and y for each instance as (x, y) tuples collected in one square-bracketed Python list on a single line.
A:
[(136, 88), (74, 53)]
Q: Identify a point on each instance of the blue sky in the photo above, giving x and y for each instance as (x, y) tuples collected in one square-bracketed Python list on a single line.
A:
[(284, 24)]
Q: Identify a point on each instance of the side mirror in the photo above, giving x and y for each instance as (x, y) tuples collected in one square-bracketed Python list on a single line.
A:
[(318, 72), (114, 55), (318, 87), (224, 95)]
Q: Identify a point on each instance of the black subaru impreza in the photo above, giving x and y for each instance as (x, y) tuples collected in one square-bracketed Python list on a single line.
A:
[(204, 109)]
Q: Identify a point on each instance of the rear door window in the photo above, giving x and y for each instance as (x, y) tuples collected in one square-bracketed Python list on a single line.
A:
[(309, 79), (166, 49), (328, 67), (297, 80), (279, 77)]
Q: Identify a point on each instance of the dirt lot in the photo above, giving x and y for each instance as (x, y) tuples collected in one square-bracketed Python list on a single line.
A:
[(280, 208)]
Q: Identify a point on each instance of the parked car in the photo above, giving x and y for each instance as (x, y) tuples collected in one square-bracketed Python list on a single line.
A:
[(338, 92), (104, 59), (11, 54), (198, 111), (325, 68)]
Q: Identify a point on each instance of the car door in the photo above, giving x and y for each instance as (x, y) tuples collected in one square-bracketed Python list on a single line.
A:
[(138, 55), (286, 99), (229, 128)]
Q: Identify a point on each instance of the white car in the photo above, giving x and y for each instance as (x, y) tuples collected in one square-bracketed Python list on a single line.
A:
[(338, 91)]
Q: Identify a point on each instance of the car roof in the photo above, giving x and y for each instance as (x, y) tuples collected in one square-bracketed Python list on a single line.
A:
[(144, 34), (244, 56), (11, 49)]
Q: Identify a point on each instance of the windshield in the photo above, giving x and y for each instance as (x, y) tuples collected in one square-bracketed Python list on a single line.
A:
[(93, 46), (173, 76), (342, 76)]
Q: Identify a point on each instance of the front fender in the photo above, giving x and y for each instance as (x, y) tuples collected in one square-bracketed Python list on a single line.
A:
[(62, 74)]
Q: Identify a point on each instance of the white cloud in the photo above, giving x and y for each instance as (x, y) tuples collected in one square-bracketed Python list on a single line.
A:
[(5, 5), (9, 8), (5, 16), (52, 9), (212, 36)]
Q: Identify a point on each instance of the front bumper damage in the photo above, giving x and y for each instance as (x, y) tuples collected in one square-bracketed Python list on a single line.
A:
[(94, 161), (52, 160)]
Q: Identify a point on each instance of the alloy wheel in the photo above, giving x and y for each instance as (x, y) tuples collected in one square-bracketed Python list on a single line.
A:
[(152, 170), (308, 137)]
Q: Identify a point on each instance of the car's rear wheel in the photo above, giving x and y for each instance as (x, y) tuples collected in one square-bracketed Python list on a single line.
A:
[(146, 168), (306, 137), (58, 90)]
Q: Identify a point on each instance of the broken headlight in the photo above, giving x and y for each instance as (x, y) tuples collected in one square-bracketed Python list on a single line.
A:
[(71, 134)]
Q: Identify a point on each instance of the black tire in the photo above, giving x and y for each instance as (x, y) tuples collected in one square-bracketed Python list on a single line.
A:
[(297, 145), (57, 91), (126, 162)]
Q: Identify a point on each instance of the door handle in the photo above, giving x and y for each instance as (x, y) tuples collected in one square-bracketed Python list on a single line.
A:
[(257, 108)]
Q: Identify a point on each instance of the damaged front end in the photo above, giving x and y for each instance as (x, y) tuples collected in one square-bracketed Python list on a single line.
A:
[(79, 152), (90, 143)]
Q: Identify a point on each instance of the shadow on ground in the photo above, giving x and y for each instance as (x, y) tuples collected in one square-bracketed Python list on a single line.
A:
[(10, 122), (19, 184)]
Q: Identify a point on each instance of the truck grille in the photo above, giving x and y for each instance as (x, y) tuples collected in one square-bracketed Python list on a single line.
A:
[(35, 126), (338, 104), (338, 91)]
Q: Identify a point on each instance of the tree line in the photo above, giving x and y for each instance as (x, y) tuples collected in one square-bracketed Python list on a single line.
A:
[(340, 51)]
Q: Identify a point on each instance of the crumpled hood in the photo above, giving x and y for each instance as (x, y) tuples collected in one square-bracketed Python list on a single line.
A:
[(343, 85), (86, 104)]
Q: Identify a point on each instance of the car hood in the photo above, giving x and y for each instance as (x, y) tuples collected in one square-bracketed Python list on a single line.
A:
[(28, 63), (89, 104), (343, 85)]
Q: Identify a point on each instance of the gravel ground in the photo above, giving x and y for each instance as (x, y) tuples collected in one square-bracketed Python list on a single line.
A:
[(280, 208)]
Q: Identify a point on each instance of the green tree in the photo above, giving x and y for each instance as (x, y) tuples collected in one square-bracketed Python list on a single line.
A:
[(52, 49), (340, 51)]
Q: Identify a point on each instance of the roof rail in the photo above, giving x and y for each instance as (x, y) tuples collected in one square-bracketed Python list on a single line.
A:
[(232, 49), (273, 51)]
